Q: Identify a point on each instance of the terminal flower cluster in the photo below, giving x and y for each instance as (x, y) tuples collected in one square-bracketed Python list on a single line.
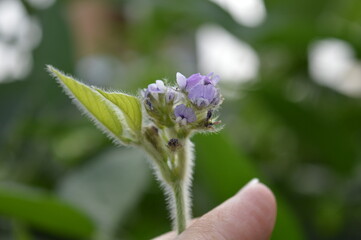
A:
[(189, 105)]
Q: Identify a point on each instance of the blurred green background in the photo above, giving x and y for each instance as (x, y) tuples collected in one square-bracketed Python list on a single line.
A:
[(291, 78)]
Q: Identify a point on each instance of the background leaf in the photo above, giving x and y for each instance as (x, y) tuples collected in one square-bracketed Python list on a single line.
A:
[(226, 170), (39, 210), (118, 177)]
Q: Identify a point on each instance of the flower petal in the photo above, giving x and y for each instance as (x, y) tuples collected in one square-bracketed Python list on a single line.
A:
[(184, 114), (181, 80), (202, 102), (160, 86), (194, 80), (152, 87), (179, 110), (190, 115), (209, 92), (196, 92), (215, 79)]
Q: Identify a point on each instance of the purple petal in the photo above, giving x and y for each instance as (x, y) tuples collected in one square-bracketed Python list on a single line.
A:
[(160, 85), (208, 79), (178, 111), (182, 112), (170, 95), (157, 87), (181, 80), (196, 92), (198, 79), (211, 79), (152, 87), (189, 115), (202, 102), (215, 80), (203, 91), (194, 80), (209, 92), (203, 95), (209, 75)]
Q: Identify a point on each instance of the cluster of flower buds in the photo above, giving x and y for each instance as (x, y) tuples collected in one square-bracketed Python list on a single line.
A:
[(188, 106)]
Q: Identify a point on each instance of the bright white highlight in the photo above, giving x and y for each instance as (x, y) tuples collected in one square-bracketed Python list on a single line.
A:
[(17, 63), (250, 13), (332, 63), (220, 52), (11, 17), (20, 34)]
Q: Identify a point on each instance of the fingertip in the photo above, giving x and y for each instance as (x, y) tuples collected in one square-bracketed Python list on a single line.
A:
[(250, 214), (259, 192), (261, 207)]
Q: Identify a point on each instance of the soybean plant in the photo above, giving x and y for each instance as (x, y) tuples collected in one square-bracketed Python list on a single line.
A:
[(160, 120)]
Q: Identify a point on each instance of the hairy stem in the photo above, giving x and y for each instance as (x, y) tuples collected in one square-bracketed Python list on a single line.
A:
[(174, 171), (181, 215), (180, 186)]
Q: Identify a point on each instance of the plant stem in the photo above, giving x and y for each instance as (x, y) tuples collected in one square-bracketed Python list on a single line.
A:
[(180, 186), (181, 215), (174, 170)]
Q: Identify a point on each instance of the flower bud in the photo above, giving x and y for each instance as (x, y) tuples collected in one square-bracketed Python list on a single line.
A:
[(184, 114), (173, 144)]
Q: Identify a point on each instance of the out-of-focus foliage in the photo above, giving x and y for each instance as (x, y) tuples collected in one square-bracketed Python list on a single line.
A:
[(40, 211), (298, 136)]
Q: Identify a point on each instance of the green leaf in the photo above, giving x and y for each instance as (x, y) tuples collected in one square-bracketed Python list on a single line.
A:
[(20, 231), (225, 170), (44, 212), (129, 105), (108, 187), (94, 104)]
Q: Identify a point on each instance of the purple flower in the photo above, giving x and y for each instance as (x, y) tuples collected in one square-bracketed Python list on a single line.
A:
[(184, 114), (157, 87), (181, 80), (196, 79), (171, 95), (204, 95), (153, 90)]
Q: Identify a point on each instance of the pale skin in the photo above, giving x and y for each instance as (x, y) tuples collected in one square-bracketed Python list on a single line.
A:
[(248, 215)]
